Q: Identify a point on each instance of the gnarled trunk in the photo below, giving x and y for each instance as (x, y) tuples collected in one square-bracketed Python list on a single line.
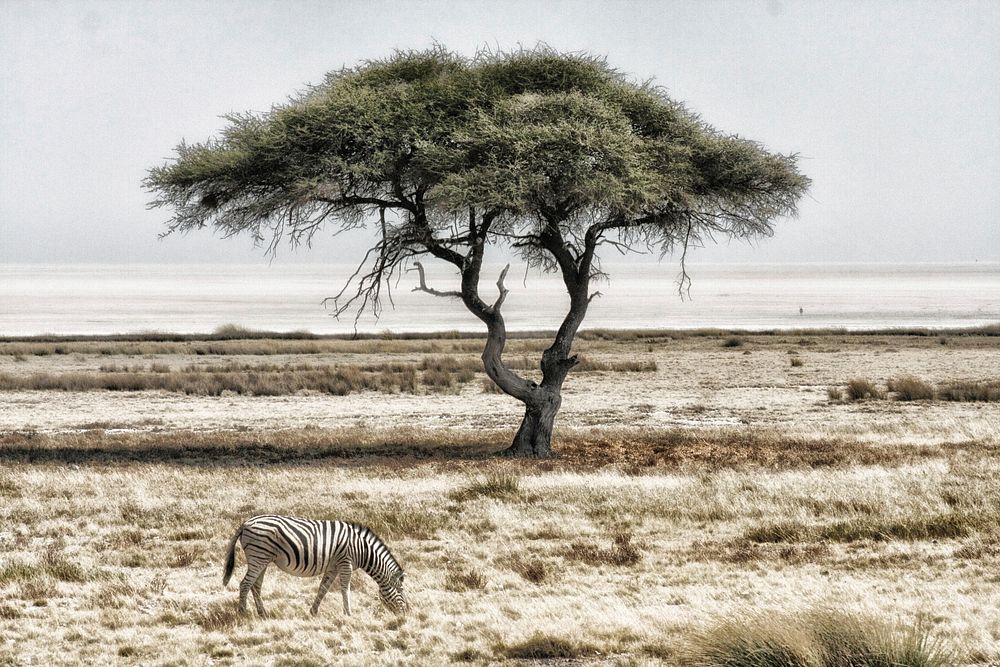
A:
[(534, 437)]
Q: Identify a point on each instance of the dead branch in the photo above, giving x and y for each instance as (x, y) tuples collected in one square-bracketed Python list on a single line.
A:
[(422, 287), (503, 290)]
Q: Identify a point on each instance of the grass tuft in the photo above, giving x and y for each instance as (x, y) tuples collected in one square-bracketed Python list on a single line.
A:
[(541, 646), (909, 388), (58, 566), (816, 638), (859, 389), (219, 616), (970, 391), (468, 579), (622, 552), (498, 484), (531, 569)]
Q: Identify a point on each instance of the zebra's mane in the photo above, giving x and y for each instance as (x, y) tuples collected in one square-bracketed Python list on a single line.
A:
[(368, 534)]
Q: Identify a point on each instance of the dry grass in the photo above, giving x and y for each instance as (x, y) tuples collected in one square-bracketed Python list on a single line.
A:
[(610, 563), (909, 388), (816, 638), (859, 389), (971, 391), (692, 493), (499, 484)]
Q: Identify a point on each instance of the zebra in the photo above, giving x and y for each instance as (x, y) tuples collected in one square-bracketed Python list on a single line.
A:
[(308, 548)]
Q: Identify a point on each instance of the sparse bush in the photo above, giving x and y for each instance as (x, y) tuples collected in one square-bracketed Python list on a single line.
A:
[(733, 341), (970, 390), (796, 362), (859, 389), (834, 394), (818, 638), (909, 388), (438, 379)]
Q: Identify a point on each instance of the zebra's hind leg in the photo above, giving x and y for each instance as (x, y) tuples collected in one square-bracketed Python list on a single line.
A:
[(344, 571), (324, 586), (256, 590), (255, 568)]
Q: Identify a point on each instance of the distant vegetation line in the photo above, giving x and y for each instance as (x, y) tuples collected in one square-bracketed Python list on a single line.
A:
[(234, 332)]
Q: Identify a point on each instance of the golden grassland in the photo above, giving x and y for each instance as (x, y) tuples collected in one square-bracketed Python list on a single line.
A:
[(707, 494)]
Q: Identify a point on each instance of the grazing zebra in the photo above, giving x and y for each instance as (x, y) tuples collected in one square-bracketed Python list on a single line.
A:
[(309, 548)]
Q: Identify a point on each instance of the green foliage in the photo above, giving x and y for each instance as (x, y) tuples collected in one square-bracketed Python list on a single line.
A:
[(518, 136)]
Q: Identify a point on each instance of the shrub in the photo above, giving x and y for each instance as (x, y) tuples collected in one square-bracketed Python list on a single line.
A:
[(732, 341), (834, 394), (438, 379), (909, 388), (796, 362), (859, 389), (969, 390), (816, 638)]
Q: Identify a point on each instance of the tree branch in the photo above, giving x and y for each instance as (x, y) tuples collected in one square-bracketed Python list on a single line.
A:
[(422, 287), (503, 290)]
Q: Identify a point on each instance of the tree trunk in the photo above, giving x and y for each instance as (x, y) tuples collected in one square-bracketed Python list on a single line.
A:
[(534, 437)]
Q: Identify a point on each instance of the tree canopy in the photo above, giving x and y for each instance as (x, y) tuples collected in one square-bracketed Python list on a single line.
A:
[(548, 154), (526, 138)]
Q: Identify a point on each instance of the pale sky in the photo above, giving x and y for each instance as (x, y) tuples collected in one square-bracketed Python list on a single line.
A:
[(893, 106)]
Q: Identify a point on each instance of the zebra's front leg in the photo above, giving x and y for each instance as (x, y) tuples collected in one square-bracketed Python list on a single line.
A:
[(344, 571), (324, 586), (256, 590)]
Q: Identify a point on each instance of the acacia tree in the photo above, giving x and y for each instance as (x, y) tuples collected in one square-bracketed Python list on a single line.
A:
[(549, 155)]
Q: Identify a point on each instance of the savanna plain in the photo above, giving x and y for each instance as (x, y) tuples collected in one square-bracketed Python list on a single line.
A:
[(829, 497)]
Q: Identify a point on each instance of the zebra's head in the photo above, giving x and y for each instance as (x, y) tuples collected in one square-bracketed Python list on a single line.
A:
[(391, 593)]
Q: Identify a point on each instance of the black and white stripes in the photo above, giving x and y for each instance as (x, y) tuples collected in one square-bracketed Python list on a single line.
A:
[(307, 548)]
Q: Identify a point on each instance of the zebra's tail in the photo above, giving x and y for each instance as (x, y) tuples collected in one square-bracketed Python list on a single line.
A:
[(227, 573)]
